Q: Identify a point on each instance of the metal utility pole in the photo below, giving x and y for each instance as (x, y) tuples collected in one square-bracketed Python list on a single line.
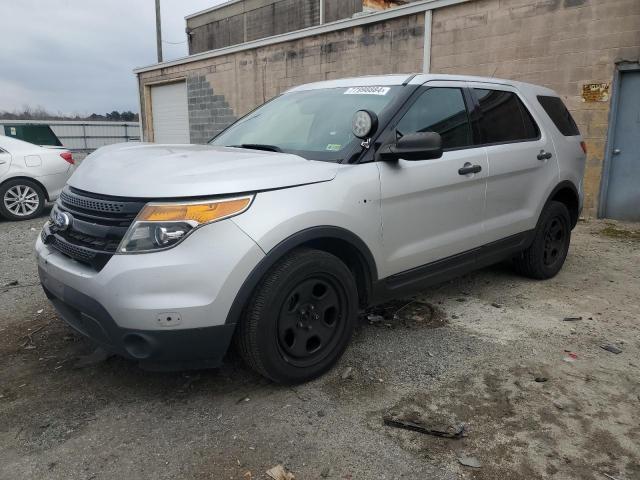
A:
[(158, 32)]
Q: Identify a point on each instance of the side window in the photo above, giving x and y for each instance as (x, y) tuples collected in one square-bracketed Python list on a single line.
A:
[(504, 117), (559, 114), (441, 110)]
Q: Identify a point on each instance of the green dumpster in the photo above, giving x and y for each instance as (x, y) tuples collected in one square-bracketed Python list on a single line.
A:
[(32, 133)]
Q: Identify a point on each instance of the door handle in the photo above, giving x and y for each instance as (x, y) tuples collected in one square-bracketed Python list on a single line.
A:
[(468, 168), (2, 162), (616, 151), (544, 155)]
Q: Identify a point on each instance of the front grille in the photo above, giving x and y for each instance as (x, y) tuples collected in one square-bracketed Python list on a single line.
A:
[(89, 204), (98, 224), (72, 251)]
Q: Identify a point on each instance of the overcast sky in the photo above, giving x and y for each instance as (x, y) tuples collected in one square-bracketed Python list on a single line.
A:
[(77, 56)]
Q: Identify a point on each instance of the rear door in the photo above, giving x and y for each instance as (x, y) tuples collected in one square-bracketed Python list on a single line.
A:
[(522, 161), (430, 210)]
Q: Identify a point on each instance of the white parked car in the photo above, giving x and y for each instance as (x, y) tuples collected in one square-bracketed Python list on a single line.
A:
[(331, 197), (30, 175)]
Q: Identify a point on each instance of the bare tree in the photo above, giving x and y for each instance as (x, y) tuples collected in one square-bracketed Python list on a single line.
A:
[(27, 112)]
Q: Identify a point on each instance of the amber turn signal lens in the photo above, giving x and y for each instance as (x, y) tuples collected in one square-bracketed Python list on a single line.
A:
[(193, 212)]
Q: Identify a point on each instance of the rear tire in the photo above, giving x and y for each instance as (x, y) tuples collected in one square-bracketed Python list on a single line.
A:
[(300, 318), (21, 199), (546, 255)]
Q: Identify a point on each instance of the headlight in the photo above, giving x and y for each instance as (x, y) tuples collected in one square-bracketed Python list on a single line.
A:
[(159, 226)]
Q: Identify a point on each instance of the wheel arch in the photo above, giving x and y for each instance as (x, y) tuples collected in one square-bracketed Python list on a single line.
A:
[(31, 179), (567, 193), (338, 241)]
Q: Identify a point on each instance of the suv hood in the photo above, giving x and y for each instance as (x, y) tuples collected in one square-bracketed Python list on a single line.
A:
[(162, 171)]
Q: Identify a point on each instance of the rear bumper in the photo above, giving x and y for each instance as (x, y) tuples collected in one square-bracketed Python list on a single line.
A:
[(154, 349)]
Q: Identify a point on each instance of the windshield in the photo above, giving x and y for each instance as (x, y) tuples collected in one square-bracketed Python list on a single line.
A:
[(315, 124)]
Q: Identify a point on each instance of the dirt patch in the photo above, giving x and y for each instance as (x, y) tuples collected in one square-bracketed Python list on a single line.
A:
[(508, 415), (613, 231)]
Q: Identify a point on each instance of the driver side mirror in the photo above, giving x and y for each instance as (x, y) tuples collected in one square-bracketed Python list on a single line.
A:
[(413, 146)]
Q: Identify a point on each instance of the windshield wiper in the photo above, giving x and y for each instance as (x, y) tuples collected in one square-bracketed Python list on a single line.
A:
[(257, 146)]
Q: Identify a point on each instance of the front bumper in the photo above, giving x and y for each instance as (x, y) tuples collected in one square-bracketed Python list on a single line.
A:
[(125, 306), (154, 349)]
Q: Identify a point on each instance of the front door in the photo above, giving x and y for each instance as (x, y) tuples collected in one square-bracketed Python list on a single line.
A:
[(430, 211), (623, 190)]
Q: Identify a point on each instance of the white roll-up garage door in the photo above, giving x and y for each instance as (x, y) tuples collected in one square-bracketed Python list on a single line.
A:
[(170, 113)]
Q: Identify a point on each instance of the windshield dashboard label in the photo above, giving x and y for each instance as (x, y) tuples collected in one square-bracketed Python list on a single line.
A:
[(367, 91)]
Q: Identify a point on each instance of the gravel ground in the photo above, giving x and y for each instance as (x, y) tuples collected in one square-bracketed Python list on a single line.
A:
[(465, 352)]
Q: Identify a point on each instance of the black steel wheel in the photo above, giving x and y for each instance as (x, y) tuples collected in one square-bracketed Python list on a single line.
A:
[(311, 320), (554, 241), (546, 255), (300, 318)]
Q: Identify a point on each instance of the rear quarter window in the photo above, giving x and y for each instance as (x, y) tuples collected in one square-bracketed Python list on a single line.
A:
[(559, 115)]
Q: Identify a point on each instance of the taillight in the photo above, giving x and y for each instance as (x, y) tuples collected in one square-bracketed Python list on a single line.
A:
[(68, 157), (584, 147)]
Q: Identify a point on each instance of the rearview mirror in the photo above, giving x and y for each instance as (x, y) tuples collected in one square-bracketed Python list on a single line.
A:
[(413, 146)]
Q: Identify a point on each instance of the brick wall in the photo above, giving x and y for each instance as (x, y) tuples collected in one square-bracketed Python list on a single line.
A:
[(562, 44), (223, 88)]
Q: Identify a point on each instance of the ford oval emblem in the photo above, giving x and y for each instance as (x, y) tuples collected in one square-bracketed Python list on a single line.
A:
[(62, 220)]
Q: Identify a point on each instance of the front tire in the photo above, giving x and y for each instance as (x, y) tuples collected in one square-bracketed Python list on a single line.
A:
[(21, 199), (546, 255), (300, 318)]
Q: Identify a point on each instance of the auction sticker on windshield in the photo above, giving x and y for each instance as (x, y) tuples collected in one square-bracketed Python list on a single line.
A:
[(367, 91)]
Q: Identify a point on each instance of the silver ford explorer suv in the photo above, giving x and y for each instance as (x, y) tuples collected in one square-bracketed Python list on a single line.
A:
[(331, 197)]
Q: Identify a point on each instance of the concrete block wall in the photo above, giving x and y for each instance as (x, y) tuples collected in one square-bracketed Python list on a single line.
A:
[(209, 113), (250, 20), (562, 44), (224, 88), (338, 9), (254, 19)]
